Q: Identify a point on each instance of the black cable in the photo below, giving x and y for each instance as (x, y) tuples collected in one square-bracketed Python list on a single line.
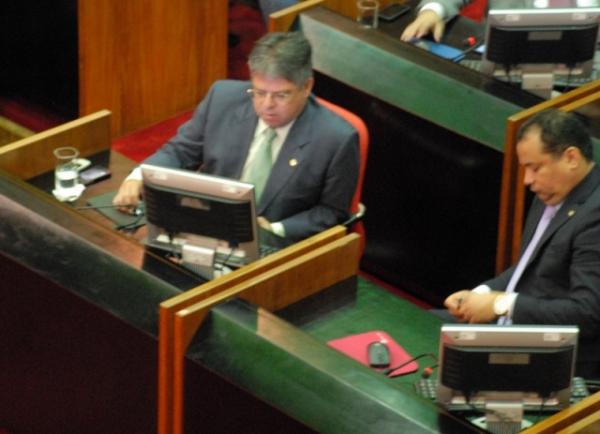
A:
[(388, 371)]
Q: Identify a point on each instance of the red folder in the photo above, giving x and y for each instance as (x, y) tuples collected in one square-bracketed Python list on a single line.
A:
[(355, 346)]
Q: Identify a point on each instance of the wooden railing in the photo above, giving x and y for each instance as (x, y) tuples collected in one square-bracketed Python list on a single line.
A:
[(33, 156), (272, 283)]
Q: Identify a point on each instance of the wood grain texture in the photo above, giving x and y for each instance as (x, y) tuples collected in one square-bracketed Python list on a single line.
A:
[(274, 289), (33, 156), (169, 308), (147, 60), (582, 417)]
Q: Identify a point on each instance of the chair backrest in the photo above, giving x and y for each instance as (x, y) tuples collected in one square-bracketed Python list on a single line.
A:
[(363, 140)]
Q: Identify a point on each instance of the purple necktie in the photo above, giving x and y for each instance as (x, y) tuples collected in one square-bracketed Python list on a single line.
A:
[(549, 212)]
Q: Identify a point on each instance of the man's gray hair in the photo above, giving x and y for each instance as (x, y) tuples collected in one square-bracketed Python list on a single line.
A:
[(282, 55)]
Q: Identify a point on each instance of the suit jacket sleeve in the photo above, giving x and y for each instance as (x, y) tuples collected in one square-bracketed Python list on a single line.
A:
[(337, 190), (561, 283), (452, 7), (185, 149), (566, 289)]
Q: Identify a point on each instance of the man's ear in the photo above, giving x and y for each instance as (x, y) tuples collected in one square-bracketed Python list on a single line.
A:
[(308, 86), (574, 156)]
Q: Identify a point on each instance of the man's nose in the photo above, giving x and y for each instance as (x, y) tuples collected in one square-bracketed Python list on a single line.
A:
[(269, 99), (528, 177)]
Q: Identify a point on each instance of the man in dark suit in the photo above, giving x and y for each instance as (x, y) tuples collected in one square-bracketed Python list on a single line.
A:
[(557, 278), (314, 153)]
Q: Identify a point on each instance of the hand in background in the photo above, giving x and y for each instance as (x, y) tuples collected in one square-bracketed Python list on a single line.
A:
[(472, 307), (264, 223), (128, 196), (426, 22)]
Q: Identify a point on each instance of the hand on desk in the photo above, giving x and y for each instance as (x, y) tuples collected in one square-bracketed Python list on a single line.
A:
[(264, 223), (129, 195), (472, 307), (426, 22)]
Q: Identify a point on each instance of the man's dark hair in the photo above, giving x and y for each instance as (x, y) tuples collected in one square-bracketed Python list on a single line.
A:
[(558, 131), (283, 55)]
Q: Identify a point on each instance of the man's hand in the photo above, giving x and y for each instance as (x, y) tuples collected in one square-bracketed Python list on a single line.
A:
[(264, 223), (128, 196), (426, 22), (472, 307)]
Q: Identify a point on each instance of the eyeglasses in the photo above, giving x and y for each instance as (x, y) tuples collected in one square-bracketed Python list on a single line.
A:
[(281, 97)]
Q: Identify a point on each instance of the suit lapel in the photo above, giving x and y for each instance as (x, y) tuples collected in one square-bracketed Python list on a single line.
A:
[(241, 133), (574, 201)]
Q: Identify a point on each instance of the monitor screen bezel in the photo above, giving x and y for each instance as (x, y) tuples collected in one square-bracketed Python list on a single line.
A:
[(211, 188), (491, 337), (540, 20)]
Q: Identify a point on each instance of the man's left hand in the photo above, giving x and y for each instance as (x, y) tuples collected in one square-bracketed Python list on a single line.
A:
[(477, 308), (264, 223)]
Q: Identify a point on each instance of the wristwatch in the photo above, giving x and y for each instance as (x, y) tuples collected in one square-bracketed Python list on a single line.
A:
[(501, 304)]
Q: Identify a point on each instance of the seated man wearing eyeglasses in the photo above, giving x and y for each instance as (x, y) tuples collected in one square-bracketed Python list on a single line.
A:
[(307, 174)]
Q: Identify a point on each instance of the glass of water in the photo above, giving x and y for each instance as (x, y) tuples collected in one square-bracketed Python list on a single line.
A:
[(367, 13), (67, 187)]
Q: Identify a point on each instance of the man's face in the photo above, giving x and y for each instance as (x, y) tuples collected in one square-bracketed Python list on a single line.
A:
[(278, 101), (549, 176)]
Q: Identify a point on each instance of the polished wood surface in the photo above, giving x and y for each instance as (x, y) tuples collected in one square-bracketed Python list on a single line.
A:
[(170, 307), (282, 20), (512, 194), (273, 289), (147, 60), (580, 418), (33, 155)]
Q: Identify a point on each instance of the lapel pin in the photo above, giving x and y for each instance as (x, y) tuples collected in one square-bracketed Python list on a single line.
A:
[(571, 213), (293, 162)]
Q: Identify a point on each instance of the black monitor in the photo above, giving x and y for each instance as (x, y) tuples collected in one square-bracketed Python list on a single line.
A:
[(506, 369), (535, 42), (202, 219)]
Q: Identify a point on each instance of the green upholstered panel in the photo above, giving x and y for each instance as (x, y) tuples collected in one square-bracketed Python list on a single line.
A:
[(443, 93)]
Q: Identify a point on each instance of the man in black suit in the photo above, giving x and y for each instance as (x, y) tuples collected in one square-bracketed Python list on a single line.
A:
[(314, 153), (557, 278)]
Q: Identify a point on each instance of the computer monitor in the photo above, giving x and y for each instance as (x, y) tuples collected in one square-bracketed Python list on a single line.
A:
[(505, 370), (202, 219), (536, 41)]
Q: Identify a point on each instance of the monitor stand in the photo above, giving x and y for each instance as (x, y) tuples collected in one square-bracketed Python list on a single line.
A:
[(538, 83), (503, 417)]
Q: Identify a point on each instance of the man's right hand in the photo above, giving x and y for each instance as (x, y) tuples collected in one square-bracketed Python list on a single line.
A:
[(426, 22), (129, 195)]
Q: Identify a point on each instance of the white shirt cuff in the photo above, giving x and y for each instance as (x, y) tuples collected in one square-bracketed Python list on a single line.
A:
[(136, 175), (278, 229), (435, 7), (482, 289)]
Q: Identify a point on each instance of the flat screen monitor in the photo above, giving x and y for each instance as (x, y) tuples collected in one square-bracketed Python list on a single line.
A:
[(204, 219), (528, 367), (536, 41)]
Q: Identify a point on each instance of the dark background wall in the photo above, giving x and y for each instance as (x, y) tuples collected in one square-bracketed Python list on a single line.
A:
[(38, 48), (431, 197)]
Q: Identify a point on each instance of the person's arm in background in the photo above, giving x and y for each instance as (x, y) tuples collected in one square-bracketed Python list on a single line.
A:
[(184, 150), (432, 18)]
